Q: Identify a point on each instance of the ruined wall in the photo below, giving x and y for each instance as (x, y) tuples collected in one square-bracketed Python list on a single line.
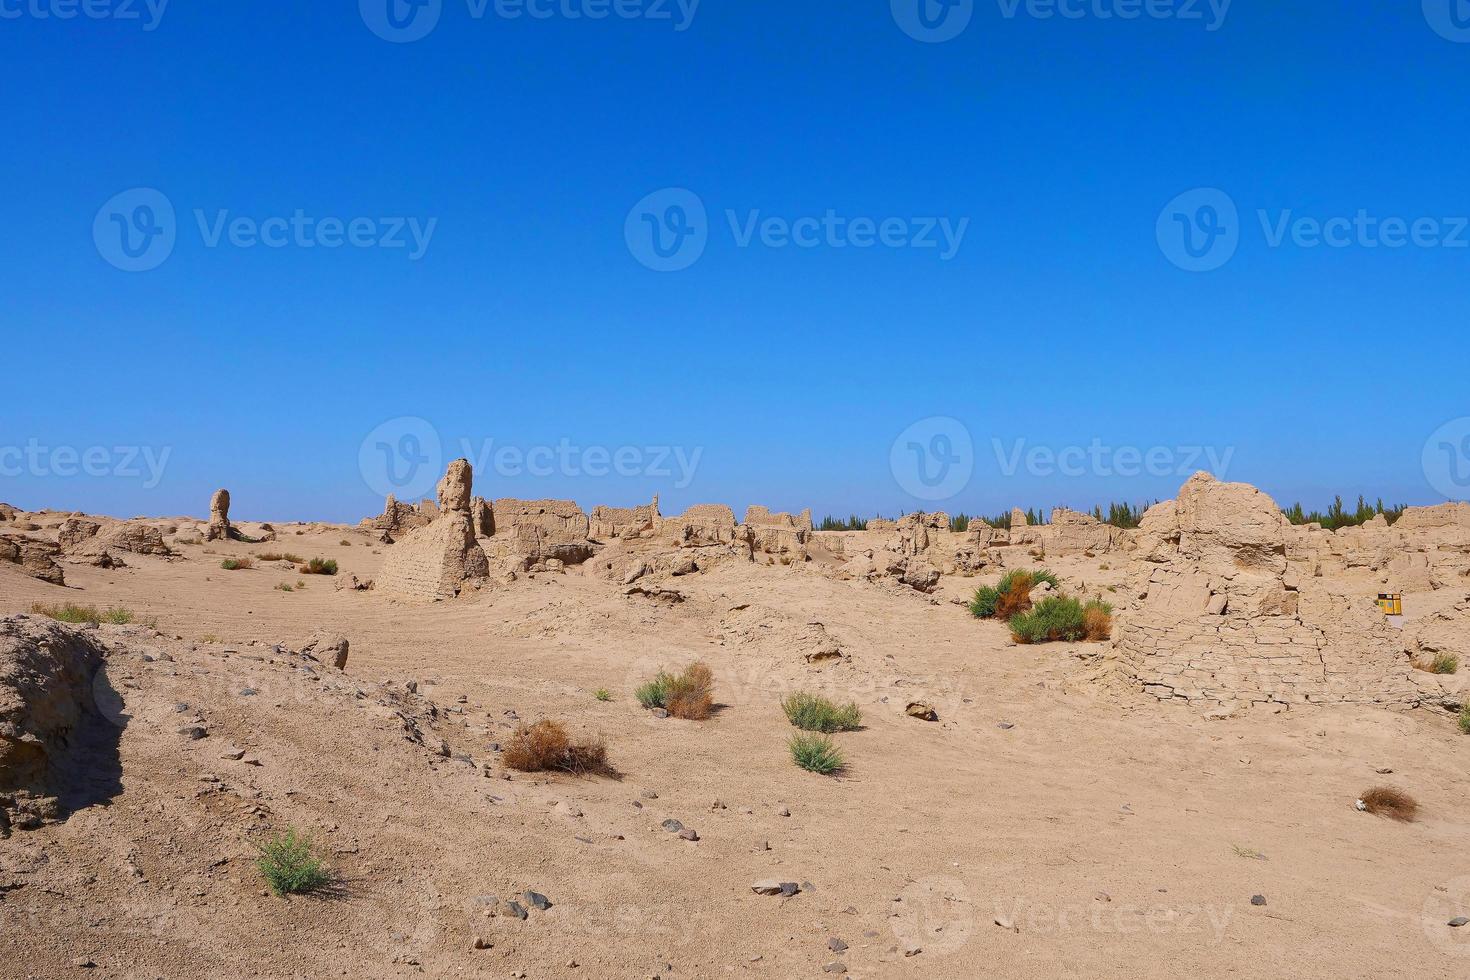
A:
[(1222, 616), (608, 523), (438, 560), (702, 525)]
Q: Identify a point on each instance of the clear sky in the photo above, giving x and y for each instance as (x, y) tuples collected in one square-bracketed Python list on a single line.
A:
[(980, 254)]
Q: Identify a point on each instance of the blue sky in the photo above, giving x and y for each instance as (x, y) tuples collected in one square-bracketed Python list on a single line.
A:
[(521, 148)]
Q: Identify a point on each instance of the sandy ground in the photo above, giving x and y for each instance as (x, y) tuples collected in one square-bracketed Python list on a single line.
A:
[(1112, 835)]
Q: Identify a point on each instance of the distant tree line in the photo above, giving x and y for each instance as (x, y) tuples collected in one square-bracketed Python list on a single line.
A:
[(1339, 516)]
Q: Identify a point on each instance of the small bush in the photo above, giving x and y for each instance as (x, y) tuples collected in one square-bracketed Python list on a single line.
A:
[(1097, 620), (345, 543), (290, 865), (546, 747), (1011, 595), (236, 564), (70, 612), (1053, 618), (691, 694), (654, 693), (1444, 663), (319, 566), (280, 556), (1385, 801), (187, 541), (285, 587), (1465, 717), (688, 695), (816, 753), (813, 713), (602, 694)]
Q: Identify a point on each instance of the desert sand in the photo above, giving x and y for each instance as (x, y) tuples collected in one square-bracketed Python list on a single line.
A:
[(1086, 809)]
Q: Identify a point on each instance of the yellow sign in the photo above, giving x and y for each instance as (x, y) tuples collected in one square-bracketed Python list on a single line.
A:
[(1392, 603)]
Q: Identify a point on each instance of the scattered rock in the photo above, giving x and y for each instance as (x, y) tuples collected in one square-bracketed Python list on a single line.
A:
[(771, 886), (536, 900), (921, 710), (1258, 899), (836, 945), (688, 834)]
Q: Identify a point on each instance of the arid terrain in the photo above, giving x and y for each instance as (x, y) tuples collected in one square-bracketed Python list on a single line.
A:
[(1177, 799)]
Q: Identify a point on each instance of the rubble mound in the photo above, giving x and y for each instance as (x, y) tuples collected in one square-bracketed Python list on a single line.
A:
[(91, 540), (33, 556), (46, 673)]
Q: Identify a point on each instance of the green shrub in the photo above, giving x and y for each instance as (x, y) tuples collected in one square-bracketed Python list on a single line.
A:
[(319, 566), (284, 587), (813, 713), (602, 694), (1015, 585), (290, 865), (1465, 717), (1444, 663), (1053, 618), (70, 612), (236, 564), (816, 753), (654, 693)]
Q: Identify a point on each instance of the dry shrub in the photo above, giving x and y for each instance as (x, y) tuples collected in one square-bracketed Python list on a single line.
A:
[(1097, 621), (690, 695), (1015, 599), (1385, 801), (546, 747)]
